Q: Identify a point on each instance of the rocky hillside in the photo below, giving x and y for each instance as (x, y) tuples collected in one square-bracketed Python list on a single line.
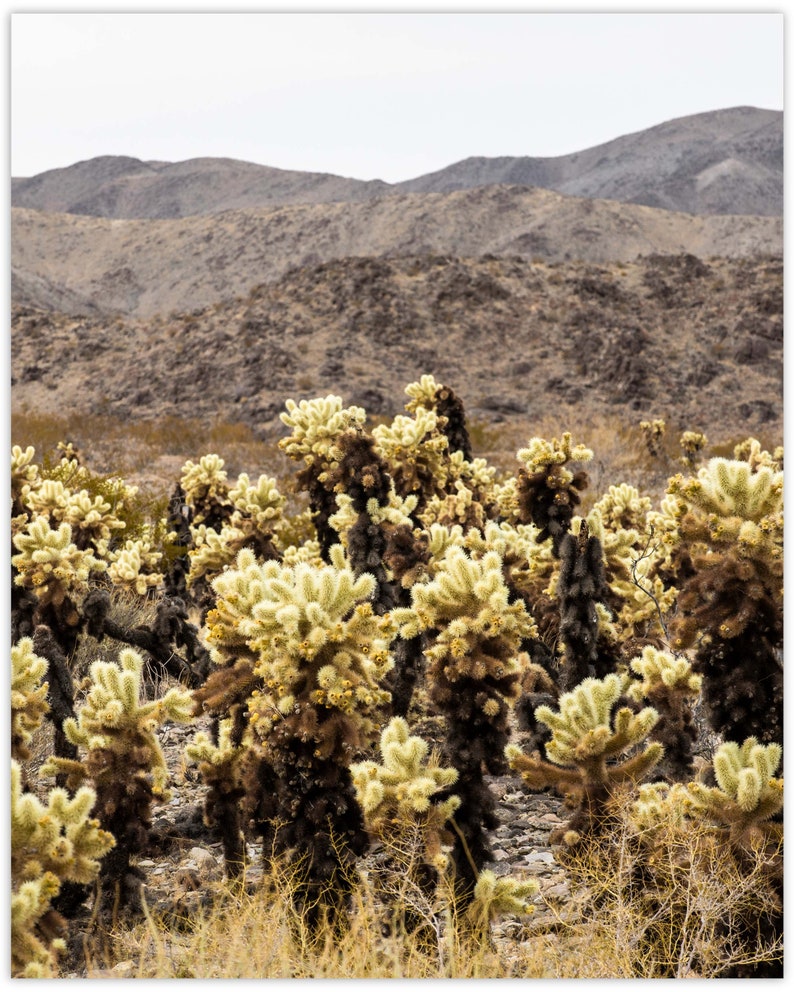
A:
[(723, 162), (699, 343), (720, 162), (116, 186), (145, 267)]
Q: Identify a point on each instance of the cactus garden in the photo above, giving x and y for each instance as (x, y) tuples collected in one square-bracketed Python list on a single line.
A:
[(270, 725)]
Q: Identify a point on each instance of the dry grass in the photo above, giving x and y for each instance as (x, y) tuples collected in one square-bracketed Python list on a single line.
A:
[(689, 920)]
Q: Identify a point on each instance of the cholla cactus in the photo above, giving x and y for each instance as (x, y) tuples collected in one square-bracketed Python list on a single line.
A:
[(417, 453), (24, 478), (751, 452), (51, 842), (401, 798), (498, 896), (635, 560), (653, 432), (670, 686), (221, 768), (430, 395), (28, 696), (690, 833), (123, 761), (51, 565), (589, 735), (206, 491), (474, 635), (134, 567), (747, 796), (317, 657), (731, 520), (548, 492), (692, 443), (317, 425)]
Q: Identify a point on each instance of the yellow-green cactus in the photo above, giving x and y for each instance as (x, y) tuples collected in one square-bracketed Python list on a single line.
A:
[(547, 490), (113, 718), (497, 896), (474, 638), (50, 564), (316, 424), (134, 567), (747, 795), (261, 502), (730, 524), (28, 696), (540, 453), (589, 736), (633, 558), (221, 766), (660, 669), (422, 393), (399, 797), (671, 687), (691, 442), (653, 432), (755, 455), (304, 621), (51, 842), (417, 453), (123, 761), (206, 489)]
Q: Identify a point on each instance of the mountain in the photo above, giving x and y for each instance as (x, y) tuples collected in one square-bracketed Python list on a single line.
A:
[(144, 267), (719, 162), (698, 343), (118, 187)]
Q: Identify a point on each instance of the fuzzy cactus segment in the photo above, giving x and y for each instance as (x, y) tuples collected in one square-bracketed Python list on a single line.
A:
[(671, 687), (400, 796), (51, 842), (317, 425), (589, 736), (50, 564), (494, 897), (220, 766), (318, 654), (28, 696), (747, 795)]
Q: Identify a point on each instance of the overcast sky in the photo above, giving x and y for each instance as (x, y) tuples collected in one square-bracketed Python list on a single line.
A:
[(371, 95)]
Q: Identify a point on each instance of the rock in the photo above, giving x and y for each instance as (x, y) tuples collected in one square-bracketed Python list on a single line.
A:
[(202, 857)]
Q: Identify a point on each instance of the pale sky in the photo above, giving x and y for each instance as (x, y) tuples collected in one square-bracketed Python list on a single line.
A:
[(371, 95)]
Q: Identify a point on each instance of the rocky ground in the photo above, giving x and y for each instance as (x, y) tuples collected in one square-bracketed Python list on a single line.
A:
[(185, 861)]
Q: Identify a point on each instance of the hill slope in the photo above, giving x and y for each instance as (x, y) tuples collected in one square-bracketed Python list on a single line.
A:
[(143, 267), (699, 344)]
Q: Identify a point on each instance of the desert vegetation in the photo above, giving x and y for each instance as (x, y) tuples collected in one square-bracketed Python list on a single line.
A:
[(355, 645)]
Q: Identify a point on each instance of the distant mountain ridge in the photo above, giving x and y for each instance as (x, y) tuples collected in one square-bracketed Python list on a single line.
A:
[(719, 162)]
